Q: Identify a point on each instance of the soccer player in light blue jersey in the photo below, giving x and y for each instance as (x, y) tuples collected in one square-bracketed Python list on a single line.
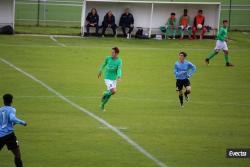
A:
[(7, 121), (183, 70)]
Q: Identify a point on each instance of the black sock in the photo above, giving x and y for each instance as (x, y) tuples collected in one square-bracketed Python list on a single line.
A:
[(18, 162), (181, 99)]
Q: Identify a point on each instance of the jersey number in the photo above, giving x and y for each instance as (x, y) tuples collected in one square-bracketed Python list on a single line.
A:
[(4, 120)]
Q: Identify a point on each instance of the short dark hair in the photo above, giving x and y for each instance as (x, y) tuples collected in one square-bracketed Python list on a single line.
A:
[(225, 21), (7, 99), (183, 53), (116, 49), (200, 11), (172, 14)]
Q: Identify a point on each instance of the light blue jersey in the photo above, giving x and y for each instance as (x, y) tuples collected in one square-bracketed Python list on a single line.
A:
[(184, 70), (8, 120)]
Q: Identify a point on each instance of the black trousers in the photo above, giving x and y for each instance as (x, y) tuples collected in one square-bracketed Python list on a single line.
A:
[(124, 30), (96, 28), (105, 26)]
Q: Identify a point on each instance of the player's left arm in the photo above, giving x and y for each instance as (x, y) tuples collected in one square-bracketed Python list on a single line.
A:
[(15, 120), (192, 70), (119, 71)]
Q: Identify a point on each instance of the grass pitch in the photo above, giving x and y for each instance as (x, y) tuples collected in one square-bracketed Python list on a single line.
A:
[(145, 108)]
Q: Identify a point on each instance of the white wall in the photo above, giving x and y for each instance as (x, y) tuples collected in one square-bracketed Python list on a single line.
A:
[(7, 12), (142, 12)]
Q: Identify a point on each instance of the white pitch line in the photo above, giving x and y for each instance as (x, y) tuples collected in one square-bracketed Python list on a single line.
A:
[(56, 41), (120, 127), (99, 119)]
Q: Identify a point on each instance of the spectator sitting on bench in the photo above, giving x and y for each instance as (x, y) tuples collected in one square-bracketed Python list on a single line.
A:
[(92, 21), (127, 21), (199, 21), (170, 25), (185, 25), (109, 22)]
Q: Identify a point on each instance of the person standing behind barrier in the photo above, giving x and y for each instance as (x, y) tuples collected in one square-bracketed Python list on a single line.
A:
[(171, 25), (92, 21), (109, 22), (199, 22), (127, 21), (185, 25)]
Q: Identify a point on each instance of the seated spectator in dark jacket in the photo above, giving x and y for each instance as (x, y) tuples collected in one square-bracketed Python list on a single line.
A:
[(92, 20), (127, 21), (109, 22)]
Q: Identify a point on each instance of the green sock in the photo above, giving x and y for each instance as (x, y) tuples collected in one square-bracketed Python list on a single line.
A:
[(106, 97), (226, 58), (211, 55)]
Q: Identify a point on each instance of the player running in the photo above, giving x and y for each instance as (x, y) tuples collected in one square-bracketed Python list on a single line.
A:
[(221, 44), (113, 72), (7, 122), (183, 70)]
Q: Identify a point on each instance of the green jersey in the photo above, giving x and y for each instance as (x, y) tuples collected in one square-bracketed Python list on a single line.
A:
[(222, 34), (113, 68)]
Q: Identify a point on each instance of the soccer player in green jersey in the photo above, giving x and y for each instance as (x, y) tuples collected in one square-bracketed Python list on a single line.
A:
[(113, 73), (221, 44)]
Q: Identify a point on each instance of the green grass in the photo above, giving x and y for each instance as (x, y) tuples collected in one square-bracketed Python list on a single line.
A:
[(58, 135), (47, 30)]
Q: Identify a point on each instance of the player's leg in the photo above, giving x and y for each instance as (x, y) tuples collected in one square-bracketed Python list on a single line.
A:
[(217, 48), (17, 157), (168, 32), (189, 30), (104, 27), (130, 29), (225, 50), (124, 31), (96, 29), (188, 89), (194, 32), (2, 143), (12, 145), (228, 64), (87, 29), (111, 90), (179, 86), (211, 55), (174, 32), (203, 31), (181, 31), (114, 29), (181, 97), (187, 92)]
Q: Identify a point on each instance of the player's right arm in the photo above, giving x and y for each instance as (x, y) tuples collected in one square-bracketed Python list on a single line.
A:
[(15, 120), (102, 67)]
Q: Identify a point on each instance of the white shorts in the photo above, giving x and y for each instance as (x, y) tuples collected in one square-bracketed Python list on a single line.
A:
[(221, 45), (110, 84)]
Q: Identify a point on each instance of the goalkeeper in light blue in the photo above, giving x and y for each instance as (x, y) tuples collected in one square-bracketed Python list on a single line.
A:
[(113, 73)]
